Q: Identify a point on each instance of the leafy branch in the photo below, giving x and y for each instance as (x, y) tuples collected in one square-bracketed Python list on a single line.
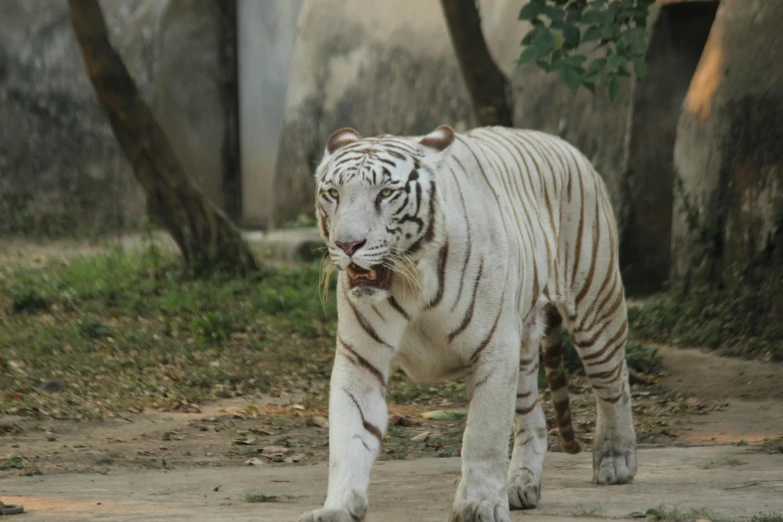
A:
[(619, 27)]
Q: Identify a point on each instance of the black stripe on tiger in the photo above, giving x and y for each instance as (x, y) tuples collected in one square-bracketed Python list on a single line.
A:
[(442, 258), (394, 304), (469, 312), (362, 362), (366, 326), (552, 351), (430, 232), (371, 428)]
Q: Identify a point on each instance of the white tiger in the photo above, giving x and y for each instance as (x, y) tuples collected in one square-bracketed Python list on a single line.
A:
[(458, 254)]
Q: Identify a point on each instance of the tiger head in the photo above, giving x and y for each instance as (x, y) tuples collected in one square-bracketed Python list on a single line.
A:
[(378, 207)]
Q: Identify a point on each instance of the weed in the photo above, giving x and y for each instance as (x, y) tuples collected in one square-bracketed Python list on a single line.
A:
[(767, 517), (667, 514), (588, 511), (712, 319), (722, 462), (255, 498), (131, 331), (26, 298)]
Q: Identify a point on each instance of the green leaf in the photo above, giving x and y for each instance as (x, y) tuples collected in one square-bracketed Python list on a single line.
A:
[(593, 17), (640, 68), (590, 86), (571, 78), (614, 88), (638, 47), (607, 32), (531, 10), (614, 61), (528, 55), (554, 13), (575, 60), (545, 41), (571, 35), (528, 38), (611, 14), (592, 34)]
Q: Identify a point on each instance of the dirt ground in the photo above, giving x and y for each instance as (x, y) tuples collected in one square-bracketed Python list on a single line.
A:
[(744, 483), (719, 401)]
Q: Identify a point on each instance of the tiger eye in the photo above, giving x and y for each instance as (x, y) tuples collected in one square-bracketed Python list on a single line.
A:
[(334, 193), (386, 192)]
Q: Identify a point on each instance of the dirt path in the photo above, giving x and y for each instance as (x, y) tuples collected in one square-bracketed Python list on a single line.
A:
[(738, 400), (419, 490), (165, 466)]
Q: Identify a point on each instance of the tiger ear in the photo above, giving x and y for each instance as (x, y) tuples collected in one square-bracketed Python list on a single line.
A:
[(437, 142), (339, 139)]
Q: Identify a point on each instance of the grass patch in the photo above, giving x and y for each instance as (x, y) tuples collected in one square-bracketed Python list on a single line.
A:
[(122, 332), (723, 462), (639, 358), (674, 514), (767, 517), (258, 498), (710, 319), (588, 511)]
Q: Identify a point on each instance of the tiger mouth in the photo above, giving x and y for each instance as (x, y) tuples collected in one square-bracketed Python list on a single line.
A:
[(376, 277)]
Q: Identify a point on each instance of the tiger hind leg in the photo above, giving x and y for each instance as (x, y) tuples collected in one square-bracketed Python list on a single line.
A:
[(530, 442), (599, 337)]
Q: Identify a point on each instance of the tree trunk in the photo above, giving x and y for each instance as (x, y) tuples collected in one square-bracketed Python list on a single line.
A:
[(728, 211), (486, 83), (205, 236)]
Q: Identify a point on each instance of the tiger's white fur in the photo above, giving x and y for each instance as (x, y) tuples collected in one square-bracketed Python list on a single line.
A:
[(506, 232)]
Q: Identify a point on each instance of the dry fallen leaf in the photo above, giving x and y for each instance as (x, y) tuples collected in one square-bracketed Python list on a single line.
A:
[(421, 436), (319, 421)]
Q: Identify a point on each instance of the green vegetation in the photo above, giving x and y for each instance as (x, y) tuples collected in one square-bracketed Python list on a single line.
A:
[(260, 497), (724, 462), (667, 514), (639, 358), (712, 319), (767, 517), (120, 332), (618, 28)]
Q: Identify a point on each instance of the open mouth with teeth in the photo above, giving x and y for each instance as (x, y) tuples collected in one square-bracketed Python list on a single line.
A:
[(376, 277)]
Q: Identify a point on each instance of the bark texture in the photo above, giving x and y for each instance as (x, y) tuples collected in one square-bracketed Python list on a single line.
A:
[(486, 83), (728, 209), (206, 238)]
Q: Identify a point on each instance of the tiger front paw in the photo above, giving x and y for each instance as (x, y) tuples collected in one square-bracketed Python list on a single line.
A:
[(354, 510)]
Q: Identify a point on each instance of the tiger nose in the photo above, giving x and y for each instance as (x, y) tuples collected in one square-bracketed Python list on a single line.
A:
[(350, 247)]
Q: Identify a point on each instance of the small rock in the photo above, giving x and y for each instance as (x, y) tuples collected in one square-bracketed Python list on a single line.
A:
[(253, 462), (51, 438), (421, 436), (259, 431), (275, 449), (245, 441), (52, 387), (319, 421)]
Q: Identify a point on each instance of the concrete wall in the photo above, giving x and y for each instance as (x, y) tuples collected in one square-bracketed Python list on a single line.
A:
[(375, 66), (60, 168), (389, 67), (266, 35)]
